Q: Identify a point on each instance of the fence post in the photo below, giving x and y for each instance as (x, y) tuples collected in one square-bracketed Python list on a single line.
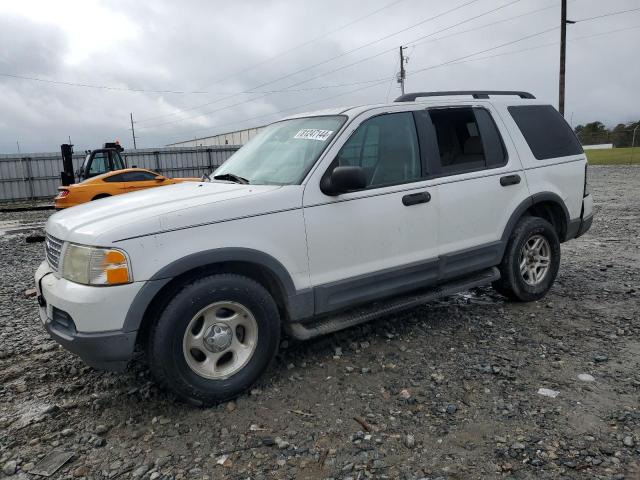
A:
[(210, 160), (157, 155), (28, 178)]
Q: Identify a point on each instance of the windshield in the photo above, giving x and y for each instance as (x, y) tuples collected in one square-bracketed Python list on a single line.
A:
[(282, 153)]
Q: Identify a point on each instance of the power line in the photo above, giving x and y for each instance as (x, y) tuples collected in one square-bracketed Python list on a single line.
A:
[(469, 2), (170, 91), (330, 71), (550, 44), (71, 84), (386, 51), (201, 92), (460, 60), (385, 80), (418, 41), (101, 87), (611, 14), (308, 42), (475, 17)]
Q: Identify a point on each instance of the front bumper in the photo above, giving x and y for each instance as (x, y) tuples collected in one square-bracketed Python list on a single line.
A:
[(82, 318)]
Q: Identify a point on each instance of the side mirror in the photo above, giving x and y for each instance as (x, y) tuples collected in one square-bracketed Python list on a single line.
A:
[(160, 178), (343, 180)]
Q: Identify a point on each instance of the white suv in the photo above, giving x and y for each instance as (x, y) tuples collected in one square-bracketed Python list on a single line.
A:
[(323, 221)]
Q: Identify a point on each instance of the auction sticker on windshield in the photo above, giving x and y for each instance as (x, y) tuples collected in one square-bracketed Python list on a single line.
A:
[(313, 134)]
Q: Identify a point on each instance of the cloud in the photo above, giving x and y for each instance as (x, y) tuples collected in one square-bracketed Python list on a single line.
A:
[(202, 45)]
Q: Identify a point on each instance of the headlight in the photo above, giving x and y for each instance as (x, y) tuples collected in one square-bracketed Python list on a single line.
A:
[(95, 266)]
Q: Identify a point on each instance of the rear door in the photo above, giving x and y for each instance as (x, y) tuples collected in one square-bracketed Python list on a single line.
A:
[(480, 184)]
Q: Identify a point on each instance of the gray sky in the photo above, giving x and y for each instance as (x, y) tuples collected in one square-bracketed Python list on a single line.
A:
[(209, 46)]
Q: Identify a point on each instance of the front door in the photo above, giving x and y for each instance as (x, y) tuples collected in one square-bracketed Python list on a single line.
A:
[(381, 240)]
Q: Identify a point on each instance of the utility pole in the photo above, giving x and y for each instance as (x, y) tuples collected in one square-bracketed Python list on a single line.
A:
[(563, 53), (133, 132), (402, 75)]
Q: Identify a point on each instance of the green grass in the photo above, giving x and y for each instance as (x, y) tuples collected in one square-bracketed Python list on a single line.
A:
[(613, 156)]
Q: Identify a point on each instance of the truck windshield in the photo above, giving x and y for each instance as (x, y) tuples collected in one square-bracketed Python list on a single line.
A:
[(282, 153)]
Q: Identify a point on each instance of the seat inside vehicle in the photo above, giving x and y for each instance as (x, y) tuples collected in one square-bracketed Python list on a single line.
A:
[(458, 136)]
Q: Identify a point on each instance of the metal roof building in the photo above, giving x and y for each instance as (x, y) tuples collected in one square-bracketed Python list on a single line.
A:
[(239, 137)]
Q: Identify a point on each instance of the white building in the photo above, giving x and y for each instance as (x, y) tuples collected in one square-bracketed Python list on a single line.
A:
[(601, 146), (239, 137)]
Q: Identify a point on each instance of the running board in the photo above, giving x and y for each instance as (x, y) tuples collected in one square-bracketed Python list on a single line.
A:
[(366, 313)]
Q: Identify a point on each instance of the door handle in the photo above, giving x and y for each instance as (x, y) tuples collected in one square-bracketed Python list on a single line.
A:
[(510, 180), (415, 198)]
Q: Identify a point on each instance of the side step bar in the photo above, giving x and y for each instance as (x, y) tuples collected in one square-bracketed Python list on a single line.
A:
[(366, 313)]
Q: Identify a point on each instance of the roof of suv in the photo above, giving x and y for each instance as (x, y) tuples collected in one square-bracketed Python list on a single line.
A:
[(355, 110)]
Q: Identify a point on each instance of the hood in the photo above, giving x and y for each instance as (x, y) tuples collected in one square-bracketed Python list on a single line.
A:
[(104, 221)]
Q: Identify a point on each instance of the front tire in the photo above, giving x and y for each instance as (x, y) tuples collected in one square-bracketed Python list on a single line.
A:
[(214, 339), (531, 261)]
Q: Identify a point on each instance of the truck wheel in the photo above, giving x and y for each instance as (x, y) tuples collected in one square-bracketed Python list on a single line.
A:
[(531, 261), (215, 337)]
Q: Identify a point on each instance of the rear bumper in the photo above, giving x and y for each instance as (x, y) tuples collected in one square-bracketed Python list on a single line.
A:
[(585, 224), (580, 226)]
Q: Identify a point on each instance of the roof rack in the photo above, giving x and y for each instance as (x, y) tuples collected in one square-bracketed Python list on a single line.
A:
[(411, 97)]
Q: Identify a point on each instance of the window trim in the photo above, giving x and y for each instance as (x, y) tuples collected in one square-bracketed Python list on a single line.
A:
[(423, 171), (430, 136)]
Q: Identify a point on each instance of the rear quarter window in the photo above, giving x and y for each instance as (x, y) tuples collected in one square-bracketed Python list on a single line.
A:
[(546, 131)]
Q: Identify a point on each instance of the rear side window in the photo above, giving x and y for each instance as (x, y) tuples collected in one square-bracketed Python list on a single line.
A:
[(119, 177), (138, 176), (467, 139), (546, 132)]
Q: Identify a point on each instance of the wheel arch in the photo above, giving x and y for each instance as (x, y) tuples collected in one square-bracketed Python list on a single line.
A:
[(547, 205), (259, 266)]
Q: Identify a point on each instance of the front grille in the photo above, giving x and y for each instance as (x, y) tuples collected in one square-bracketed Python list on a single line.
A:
[(52, 248)]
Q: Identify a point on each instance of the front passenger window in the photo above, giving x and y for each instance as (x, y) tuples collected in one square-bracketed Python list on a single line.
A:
[(386, 147)]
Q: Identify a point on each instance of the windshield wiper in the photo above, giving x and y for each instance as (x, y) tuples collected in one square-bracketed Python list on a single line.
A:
[(231, 178)]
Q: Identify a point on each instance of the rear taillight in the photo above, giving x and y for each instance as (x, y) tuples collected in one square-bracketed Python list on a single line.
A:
[(63, 193), (586, 180)]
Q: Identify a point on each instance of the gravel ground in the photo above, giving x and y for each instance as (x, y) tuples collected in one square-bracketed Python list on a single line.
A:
[(446, 391)]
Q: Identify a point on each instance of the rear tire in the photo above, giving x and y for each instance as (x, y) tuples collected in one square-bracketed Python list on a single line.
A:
[(531, 261), (214, 338)]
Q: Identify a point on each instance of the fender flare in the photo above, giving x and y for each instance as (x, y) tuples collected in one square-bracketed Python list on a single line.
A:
[(528, 203), (298, 302)]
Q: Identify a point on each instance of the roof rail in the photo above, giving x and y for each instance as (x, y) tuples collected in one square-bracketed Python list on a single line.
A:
[(411, 97)]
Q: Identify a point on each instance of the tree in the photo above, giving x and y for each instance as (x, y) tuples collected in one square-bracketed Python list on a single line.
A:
[(592, 133)]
